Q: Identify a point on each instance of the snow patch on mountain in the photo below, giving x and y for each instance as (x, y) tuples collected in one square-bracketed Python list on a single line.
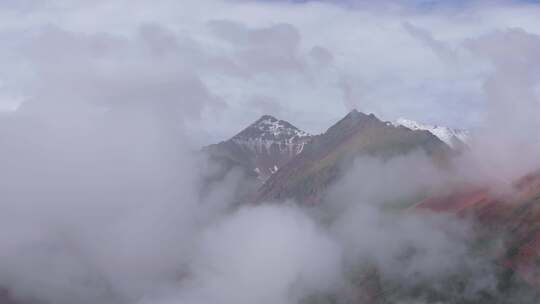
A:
[(279, 128), (452, 137), (271, 128)]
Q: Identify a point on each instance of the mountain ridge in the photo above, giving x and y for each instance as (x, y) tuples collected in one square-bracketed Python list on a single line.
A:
[(324, 158), (274, 151)]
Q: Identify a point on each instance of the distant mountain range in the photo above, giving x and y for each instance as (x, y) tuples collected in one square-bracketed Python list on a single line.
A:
[(269, 143), (287, 162)]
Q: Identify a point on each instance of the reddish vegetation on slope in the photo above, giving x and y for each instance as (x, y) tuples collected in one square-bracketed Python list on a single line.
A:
[(515, 216), (456, 202)]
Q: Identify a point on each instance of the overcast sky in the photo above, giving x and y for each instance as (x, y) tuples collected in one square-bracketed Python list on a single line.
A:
[(225, 63)]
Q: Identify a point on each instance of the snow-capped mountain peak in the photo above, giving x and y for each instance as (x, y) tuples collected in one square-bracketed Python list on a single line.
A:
[(452, 137), (264, 146), (269, 128)]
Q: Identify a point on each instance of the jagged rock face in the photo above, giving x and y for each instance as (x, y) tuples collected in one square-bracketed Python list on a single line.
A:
[(262, 148), (327, 156)]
